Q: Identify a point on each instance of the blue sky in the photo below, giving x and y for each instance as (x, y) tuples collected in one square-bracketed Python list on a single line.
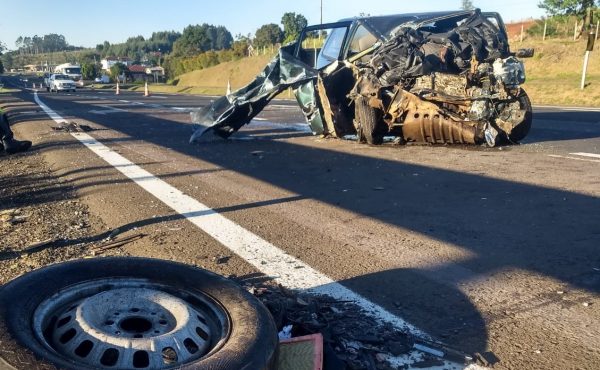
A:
[(87, 23)]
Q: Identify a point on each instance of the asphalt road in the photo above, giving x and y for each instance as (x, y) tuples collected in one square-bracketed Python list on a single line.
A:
[(492, 250)]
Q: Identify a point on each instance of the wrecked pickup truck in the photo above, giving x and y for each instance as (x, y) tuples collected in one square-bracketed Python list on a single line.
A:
[(445, 78)]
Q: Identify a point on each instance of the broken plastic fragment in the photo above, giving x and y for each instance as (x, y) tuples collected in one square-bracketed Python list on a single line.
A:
[(286, 332)]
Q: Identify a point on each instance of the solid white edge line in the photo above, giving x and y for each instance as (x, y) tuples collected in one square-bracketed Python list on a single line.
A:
[(591, 155), (264, 256)]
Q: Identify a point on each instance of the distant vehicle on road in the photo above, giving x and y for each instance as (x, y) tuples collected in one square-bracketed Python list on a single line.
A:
[(104, 79), (73, 71), (60, 82)]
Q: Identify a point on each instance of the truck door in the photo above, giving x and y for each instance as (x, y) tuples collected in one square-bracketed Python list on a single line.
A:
[(318, 47)]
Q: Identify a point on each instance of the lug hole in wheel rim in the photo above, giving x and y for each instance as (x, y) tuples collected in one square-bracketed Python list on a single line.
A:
[(62, 322), (191, 346), (141, 359), (84, 348), (201, 333), (162, 322), (67, 336), (136, 325), (110, 357)]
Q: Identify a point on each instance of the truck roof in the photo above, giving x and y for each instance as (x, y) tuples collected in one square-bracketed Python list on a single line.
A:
[(384, 24)]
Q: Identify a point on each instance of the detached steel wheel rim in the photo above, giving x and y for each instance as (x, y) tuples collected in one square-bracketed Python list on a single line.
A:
[(129, 323)]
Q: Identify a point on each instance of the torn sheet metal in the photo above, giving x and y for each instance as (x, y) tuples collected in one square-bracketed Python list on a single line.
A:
[(229, 113)]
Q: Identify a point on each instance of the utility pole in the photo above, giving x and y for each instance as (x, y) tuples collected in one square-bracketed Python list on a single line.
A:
[(321, 11)]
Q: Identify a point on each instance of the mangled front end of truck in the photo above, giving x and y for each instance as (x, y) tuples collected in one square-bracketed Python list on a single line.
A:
[(459, 86)]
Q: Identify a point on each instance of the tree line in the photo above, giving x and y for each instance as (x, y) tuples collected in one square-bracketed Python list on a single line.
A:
[(198, 46), (45, 44)]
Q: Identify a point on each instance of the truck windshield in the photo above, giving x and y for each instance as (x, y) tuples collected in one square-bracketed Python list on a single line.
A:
[(73, 71), (61, 77)]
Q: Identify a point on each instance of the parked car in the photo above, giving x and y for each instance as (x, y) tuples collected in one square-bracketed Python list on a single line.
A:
[(59, 82), (444, 77)]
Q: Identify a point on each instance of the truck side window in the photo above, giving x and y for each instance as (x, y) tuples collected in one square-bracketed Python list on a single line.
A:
[(361, 41), (333, 46)]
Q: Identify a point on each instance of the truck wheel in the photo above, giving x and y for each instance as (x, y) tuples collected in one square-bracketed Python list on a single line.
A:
[(519, 132), (132, 313), (373, 129)]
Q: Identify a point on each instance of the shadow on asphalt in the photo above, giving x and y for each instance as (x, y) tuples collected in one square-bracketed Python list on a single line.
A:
[(504, 225)]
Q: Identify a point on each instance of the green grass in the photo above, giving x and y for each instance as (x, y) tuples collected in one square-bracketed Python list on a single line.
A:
[(5, 90), (554, 73)]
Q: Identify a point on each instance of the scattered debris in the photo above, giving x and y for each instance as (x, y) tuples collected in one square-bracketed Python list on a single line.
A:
[(11, 217), (73, 127), (111, 244), (350, 336), (219, 260), (112, 234), (286, 332)]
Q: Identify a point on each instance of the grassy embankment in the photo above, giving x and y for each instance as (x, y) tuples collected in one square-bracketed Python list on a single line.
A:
[(213, 80), (553, 74)]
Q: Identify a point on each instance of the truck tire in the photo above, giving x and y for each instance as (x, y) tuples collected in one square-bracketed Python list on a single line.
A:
[(238, 331), (520, 131), (371, 126)]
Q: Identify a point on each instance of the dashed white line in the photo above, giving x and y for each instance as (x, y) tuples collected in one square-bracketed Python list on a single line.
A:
[(577, 109), (590, 155), (574, 158), (264, 256)]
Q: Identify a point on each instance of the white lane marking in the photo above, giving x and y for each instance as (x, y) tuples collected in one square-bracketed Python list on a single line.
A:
[(124, 101), (574, 158), (109, 109), (281, 106), (264, 256), (591, 155), (158, 97), (580, 109), (302, 127), (183, 109)]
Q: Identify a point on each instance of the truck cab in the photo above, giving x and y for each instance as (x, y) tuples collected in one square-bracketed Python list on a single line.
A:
[(73, 71)]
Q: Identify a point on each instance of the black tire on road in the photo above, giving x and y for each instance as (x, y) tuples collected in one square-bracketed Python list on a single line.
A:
[(519, 132), (251, 342), (371, 124), (47, 88)]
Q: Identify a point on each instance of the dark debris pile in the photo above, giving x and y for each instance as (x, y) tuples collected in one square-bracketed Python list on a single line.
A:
[(352, 339)]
